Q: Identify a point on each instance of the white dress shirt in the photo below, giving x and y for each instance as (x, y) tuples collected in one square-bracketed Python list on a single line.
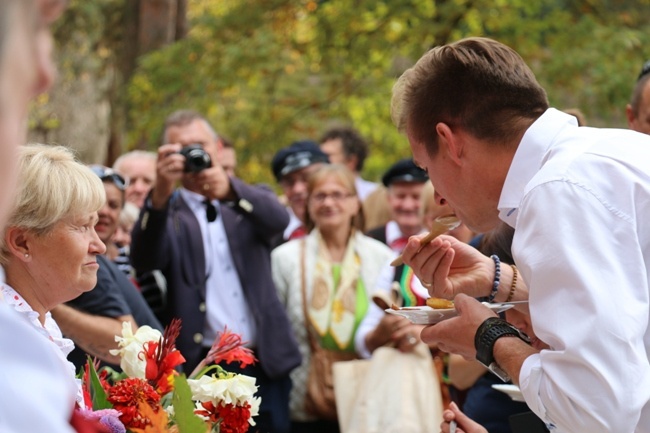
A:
[(294, 223), (579, 200), (225, 302)]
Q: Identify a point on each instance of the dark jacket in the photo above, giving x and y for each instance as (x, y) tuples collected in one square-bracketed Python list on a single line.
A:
[(170, 240)]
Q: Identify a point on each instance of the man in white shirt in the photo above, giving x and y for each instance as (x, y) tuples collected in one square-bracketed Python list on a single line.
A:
[(211, 239), (578, 198)]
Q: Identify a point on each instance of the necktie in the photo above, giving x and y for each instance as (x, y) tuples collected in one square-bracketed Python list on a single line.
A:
[(210, 210)]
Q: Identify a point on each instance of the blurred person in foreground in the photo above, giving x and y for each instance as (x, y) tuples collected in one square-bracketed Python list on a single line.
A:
[(339, 266), (480, 124), (139, 169), (49, 247), (291, 167), (638, 110), (211, 238), (32, 374)]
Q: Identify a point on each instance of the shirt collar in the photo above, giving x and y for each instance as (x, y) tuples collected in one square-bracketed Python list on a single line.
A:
[(529, 158), (195, 201)]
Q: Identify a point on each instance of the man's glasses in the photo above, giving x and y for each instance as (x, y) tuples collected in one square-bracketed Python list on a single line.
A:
[(335, 196), (108, 174)]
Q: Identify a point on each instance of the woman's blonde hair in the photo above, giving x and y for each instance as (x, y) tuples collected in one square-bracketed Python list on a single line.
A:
[(346, 178), (52, 185)]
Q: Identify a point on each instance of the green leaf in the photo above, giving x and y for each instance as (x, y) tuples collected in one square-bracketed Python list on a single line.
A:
[(186, 420), (97, 392)]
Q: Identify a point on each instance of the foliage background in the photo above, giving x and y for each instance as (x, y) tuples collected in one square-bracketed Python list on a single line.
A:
[(268, 72)]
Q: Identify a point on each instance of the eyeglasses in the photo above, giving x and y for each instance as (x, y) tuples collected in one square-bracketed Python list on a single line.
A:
[(645, 70), (336, 196), (110, 175)]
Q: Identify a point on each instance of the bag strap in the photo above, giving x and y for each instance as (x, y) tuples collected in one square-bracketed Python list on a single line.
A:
[(303, 283)]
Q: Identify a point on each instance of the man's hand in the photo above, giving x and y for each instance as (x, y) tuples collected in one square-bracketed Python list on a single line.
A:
[(447, 267), (456, 335), (169, 170), (213, 183)]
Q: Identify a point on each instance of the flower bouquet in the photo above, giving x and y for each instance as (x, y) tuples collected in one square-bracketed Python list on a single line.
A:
[(150, 396)]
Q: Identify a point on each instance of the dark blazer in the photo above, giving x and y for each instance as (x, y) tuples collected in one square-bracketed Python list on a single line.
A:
[(170, 240)]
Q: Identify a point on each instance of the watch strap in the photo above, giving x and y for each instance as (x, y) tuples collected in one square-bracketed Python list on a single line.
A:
[(488, 333)]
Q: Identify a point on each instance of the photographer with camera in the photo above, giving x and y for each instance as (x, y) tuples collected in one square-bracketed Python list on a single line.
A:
[(211, 239)]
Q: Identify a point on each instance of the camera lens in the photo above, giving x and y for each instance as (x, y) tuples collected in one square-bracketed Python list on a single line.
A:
[(196, 159)]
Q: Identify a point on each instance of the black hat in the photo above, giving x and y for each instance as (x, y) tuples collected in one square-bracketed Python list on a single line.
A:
[(404, 170), (299, 155)]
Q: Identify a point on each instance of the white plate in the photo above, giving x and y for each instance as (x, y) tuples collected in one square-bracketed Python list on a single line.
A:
[(512, 390), (429, 316)]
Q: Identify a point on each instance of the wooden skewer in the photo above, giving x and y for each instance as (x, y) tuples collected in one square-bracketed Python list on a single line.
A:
[(441, 225)]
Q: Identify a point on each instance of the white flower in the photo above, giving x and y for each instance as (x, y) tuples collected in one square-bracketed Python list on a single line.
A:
[(233, 389), (130, 345), (255, 408)]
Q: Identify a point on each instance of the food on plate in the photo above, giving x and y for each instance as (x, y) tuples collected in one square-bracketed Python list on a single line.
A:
[(439, 303)]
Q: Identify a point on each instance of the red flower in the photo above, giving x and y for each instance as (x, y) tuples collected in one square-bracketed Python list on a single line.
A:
[(228, 347), (162, 358), (127, 394), (231, 418)]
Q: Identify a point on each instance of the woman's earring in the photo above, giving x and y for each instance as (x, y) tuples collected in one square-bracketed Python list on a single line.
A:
[(26, 255)]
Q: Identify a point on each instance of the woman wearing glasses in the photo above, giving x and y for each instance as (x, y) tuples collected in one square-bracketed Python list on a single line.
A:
[(325, 281)]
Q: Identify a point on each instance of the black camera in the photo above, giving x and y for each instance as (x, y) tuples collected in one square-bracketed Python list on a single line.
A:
[(196, 159)]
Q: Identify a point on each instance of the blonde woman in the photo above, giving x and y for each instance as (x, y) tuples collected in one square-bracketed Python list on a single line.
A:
[(339, 266), (49, 247)]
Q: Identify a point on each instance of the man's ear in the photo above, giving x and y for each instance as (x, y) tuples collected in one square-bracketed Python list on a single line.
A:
[(17, 242), (630, 115), (450, 141)]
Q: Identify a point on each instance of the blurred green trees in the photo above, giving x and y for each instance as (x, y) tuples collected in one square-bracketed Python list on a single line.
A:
[(267, 72)]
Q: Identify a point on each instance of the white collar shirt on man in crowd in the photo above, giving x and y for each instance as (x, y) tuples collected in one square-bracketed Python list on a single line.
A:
[(589, 300), (294, 224), (364, 187), (222, 278)]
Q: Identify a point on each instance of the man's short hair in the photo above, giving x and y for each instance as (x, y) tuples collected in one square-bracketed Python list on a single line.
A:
[(479, 84), (353, 143), (637, 92), (183, 118)]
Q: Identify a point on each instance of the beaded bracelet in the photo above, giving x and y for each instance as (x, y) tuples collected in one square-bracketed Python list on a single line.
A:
[(513, 286), (497, 277)]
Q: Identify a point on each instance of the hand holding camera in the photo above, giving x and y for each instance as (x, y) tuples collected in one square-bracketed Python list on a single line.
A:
[(192, 165)]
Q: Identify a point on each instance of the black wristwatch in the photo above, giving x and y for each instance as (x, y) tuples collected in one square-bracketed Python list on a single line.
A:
[(487, 334)]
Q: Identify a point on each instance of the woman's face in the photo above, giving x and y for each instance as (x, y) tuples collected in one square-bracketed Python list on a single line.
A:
[(109, 214), (63, 262), (331, 205)]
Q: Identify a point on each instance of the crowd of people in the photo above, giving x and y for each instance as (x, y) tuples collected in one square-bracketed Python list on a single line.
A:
[(551, 217)]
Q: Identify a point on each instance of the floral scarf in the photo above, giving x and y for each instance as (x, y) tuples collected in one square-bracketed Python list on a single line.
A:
[(333, 309)]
